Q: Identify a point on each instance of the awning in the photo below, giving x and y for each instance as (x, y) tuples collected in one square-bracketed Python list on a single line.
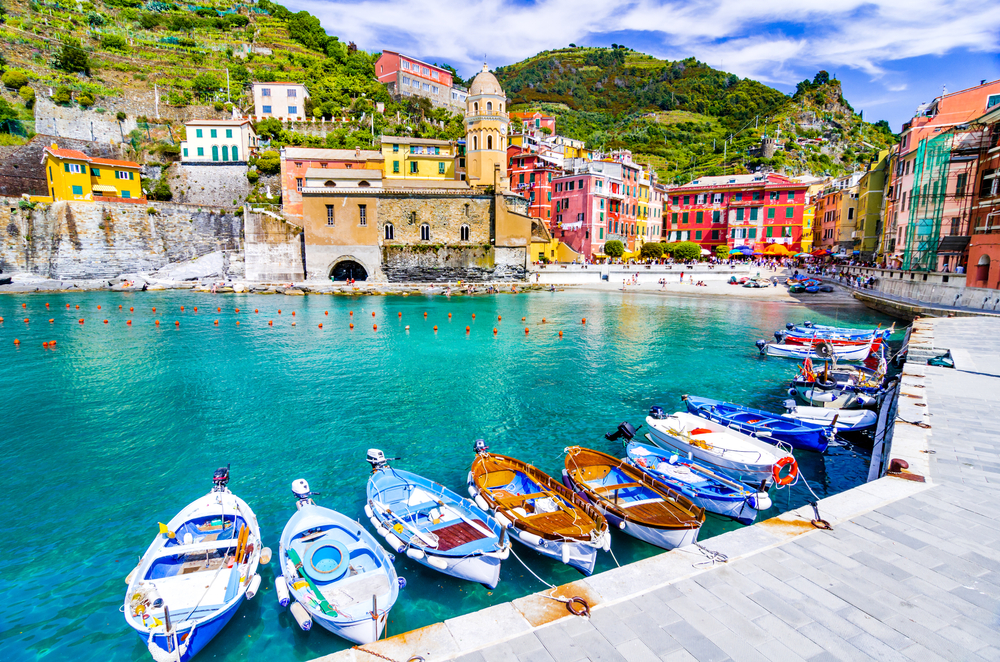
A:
[(104, 188), (953, 244), (705, 251)]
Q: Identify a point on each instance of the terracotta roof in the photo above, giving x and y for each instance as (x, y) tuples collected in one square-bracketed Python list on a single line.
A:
[(112, 162), (321, 154), (218, 122), (67, 154)]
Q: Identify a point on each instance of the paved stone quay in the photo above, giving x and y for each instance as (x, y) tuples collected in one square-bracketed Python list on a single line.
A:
[(910, 571)]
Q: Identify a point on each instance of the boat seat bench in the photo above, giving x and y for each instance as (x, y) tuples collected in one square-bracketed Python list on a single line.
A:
[(612, 488)]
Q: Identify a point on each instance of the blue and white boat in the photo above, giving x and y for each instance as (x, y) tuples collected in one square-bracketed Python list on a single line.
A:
[(336, 572), (764, 425), (844, 420), (433, 525), (820, 350), (706, 488), (809, 329), (195, 574)]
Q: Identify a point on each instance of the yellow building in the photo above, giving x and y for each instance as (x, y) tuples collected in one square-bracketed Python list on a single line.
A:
[(553, 251), (72, 175), (486, 123), (808, 216), (418, 158)]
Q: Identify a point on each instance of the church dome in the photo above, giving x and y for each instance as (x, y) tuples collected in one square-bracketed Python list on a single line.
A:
[(485, 83)]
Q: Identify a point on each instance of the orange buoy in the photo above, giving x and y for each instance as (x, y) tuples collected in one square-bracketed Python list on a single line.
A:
[(375, 327), (522, 319), (154, 309), (98, 307), (279, 311), (425, 313), (218, 309), (182, 309), (50, 321), (352, 325), (526, 330), (237, 310), (293, 313), (293, 323), (473, 316), (352, 313), (133, 309), (177, 323), (583, 321), (216, 322), (560, 334), (157, 322), (16, 341), (407, 327), (494, 330), (466, 329), (321, 325), (105, 321), (45, 344), (128, 323), (543, 320), (499, 318), (373, 313), (400, 314), (326, 312), (81, 320), (78, 307), (270, 322), (195, 309), (120, 307), (1, 319), (435, 328), (449, 315), (25, 320), (46, 305), (24, 305), (255, 310), (52, 343), (67, 305), (237, 322)]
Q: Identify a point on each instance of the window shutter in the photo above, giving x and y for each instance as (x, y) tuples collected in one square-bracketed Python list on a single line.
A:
[(66, 166)]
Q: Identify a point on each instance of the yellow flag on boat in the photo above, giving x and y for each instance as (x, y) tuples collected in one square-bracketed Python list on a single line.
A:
[(165, 530)]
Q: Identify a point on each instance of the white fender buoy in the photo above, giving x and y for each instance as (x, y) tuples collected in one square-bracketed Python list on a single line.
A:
[(566, 551), (437, 562), (473, 491), (501, 520), (253, 586), (469, 480), (377, 524), (368, 511), (529, 538), (763, 501), (301, 616), (394, 542), (481, 502), (607, 542), (265, 555), (415, 554), (505, 553), (621, 525), (281, 590)]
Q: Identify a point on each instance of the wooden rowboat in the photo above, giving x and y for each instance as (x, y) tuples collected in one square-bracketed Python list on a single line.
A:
[(633, 500), (538, 510)]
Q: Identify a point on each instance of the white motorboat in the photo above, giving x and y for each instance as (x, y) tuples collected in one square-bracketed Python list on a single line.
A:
[(845, 420)]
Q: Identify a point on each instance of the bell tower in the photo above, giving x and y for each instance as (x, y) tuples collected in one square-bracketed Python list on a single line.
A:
[(486, 122)]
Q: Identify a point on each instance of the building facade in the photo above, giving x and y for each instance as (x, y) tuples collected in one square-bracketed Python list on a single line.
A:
[(218, 141), (871, 190), (419, 158), (486, 127), (984, 247), (531, 175), (72, 175), (407, 76), (283, 101), (297, 161)]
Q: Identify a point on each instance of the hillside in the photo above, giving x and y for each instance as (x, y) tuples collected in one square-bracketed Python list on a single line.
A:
[(687, 119)]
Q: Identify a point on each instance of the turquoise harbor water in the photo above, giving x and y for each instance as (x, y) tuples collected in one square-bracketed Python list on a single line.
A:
[(119, 427)]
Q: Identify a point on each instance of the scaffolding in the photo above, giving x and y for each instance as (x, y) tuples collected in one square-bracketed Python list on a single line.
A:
[(930, 186)]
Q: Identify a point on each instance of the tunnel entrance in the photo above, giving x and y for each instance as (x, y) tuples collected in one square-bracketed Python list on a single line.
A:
[(347, 270)]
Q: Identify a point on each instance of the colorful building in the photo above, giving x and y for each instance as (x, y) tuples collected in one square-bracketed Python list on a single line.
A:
[(984, 247), (72, 175), (407, 76), (284, 101), (486, 128), (808, 216), (296, 162), (531, 175), (213, 142), (826, 227), (871, 190), (419, 158), (536, 120), (737, 210)]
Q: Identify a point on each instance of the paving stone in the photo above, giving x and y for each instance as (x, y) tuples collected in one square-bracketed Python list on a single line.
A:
[(788, 636), (775, 650), (875, 627), (838, 647), (502, 652), (780, 608), (611, 626), (877, 649), (694, 615), (471, 657), (700, 646), (637, 651)]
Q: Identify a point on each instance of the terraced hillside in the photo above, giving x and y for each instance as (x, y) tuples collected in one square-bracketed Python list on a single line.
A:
[(688, 119)]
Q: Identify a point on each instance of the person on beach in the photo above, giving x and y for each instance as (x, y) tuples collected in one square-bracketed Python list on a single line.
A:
[(682, 278)]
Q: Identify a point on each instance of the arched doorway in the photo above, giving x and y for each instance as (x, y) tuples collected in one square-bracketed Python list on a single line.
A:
[(348, 269), (983, 269)]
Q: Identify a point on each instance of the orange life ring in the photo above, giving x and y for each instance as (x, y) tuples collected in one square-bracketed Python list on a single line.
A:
[(793, 471)]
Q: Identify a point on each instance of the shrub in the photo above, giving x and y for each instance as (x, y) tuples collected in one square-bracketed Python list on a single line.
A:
[(114, 42), (149, 21), (722, 251), (253, 176), (14, 79), (204, 85), (27, 95), (687, 250), (269, 163), (120, 116), (85, 100), (652, 250), (219, 106), (62, 96), (614, 248), (72, 58), (95, 19), (161, 190)]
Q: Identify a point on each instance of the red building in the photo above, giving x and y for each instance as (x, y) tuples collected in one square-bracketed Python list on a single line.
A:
[(531, 175), (737, 210), (536, 120), (408, 76), (984, 247), (594, 202)]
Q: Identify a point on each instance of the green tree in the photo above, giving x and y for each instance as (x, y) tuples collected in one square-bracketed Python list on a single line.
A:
[(114, 42), (205, 85), (269, 163), (95, 19), (614, 248), (14, 79), (722, 251), (7, 112), (27, 95), (651, 250), (821, 77), (687, 250), (86, 100), (72, 58)]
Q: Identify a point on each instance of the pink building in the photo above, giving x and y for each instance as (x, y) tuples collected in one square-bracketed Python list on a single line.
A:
[(297, 161), (594, 202), (536, 120), (407, 76)]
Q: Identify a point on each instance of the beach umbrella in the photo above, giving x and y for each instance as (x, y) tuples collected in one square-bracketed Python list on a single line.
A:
[(736, 251), (705, 251), (803, 255), (777, 249), (820, 252)]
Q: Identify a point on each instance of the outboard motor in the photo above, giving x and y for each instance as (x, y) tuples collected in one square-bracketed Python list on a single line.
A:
[(625, 430), (220, 479), (376, 458), (300, 488), (789, 326), (656, 411), (761, 345), (807, 324), (779, 336), (790, 405), (480, 447)]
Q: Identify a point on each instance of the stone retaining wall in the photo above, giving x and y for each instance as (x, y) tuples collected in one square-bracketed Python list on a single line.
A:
[(452, 263), (209, 185)]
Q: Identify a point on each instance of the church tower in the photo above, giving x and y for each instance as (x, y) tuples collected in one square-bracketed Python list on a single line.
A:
[(486, 123)]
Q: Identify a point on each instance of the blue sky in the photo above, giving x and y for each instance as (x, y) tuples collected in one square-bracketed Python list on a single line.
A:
[(890, 55)]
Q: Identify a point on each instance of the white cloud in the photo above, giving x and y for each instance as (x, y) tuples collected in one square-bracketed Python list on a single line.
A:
[(773, 41)]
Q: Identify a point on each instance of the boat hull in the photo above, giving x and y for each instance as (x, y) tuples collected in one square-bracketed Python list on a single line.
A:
[(483, 569), (834, 398), (203, 634), (800, 435), (582, 556), (749, 473), (847, 420), (800, 352)]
